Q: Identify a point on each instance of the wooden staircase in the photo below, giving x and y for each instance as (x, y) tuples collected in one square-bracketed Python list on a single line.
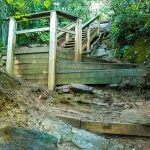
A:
[(62, 61)]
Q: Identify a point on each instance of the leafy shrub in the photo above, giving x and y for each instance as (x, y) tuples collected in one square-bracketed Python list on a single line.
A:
[(130, 20)]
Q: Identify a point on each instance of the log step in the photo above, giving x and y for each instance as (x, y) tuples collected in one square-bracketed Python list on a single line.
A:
[(115, 128)]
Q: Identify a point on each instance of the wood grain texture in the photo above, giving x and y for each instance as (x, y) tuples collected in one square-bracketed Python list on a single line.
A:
[(111, 76), (11, 45), (52, 52), (78, 40), (116, 128), (91, 66)]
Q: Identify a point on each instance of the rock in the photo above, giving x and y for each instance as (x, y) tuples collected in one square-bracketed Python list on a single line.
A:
[(139, 103), (99, 52), (100, 93), (36, 89), (80, 88), (63, 89), (119, 104), (89, 141), (77, 139), (62, 131), (139, 116), (19, 138)]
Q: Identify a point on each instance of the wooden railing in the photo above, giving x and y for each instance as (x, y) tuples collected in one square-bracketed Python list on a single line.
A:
[(74, 28), (89, 32)]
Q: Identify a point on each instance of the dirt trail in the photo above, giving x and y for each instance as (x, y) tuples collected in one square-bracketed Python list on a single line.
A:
[(25, 105)]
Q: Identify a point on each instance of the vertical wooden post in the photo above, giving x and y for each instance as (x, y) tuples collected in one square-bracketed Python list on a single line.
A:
[(88, 38), (52, 51), (78, 40), (98, 32), (67, 36), (11, 45)]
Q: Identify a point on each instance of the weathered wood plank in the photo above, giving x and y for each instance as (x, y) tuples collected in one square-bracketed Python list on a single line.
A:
[(90, 21), (27, 50), (100, 77), (11, 45), (29, 71), (60, 54), (69, 27), (110, 72), (52, 51), (33, 56), (31, 66), (45, 14), (31, 61), (75, 122), (78, 40), (66, 30), (33, 30), (91, 65), (88, 38), (116, 128), (93, 34), (60, 80), (34, 77), (41, 50), (68, 16)]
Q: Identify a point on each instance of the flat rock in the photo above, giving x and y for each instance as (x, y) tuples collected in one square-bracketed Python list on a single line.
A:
[(63, 89), (58, 129), (80, 88), (77, 139), (25, 139), (100, 52), (136, 116)]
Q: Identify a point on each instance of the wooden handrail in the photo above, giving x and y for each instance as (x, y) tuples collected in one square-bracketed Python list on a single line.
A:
[(66, 15), (43, 15), (44, 30), (90, 21), (33, 30), (66, 30), (31, 16), (68, 27)]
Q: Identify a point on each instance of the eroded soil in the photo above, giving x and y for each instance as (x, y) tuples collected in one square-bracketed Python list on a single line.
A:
[(25, 105)]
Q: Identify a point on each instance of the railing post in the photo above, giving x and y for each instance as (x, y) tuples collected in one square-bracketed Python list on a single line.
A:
[(11, 45), (67, 37), (78, 40), (98, 32), (52, 51), (88, 38)]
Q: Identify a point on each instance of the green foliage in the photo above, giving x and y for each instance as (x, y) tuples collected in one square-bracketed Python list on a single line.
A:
[(24, 7), (139, 51), (130, 20)]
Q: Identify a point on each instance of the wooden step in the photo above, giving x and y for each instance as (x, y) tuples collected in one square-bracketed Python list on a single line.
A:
[(110, 76), (92, 66), (99, 127)]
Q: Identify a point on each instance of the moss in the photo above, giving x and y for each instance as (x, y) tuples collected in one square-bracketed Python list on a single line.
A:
[(139, 51)]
